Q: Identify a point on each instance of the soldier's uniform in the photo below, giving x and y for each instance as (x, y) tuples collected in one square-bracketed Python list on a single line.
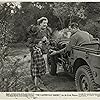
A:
[(79, 38)]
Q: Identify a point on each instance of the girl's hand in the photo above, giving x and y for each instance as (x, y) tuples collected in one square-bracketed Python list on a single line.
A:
[(54, 52)]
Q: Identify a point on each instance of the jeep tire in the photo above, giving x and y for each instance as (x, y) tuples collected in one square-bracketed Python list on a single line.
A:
[(84, 80)]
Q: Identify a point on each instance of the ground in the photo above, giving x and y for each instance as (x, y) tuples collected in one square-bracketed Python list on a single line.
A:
[(62, 82)]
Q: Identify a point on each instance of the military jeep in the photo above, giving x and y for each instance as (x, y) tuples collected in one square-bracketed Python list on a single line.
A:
[(82, 63)]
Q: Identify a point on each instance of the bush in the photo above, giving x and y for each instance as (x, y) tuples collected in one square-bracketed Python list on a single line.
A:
[(14, 75)]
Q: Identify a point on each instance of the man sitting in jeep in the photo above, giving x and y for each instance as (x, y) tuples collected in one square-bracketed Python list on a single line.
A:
[(77, 38)]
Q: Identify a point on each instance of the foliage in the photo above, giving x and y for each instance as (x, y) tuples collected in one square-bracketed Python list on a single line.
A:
[(92, 21), (69, 10), (12, 76), (12, 73)]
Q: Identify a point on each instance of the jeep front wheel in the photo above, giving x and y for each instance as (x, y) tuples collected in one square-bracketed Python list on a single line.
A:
[(84, 80)]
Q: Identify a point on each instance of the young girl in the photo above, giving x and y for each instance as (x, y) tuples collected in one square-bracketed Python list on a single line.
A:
[(38, 66)]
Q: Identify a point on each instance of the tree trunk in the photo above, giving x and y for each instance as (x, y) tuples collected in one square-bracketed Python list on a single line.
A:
[(61, 22)]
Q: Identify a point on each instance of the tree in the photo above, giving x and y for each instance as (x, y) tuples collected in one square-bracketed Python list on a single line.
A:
[(92, 22), (69, 10)]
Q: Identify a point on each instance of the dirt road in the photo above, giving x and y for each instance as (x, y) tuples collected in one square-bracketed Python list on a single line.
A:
[(62, 82)]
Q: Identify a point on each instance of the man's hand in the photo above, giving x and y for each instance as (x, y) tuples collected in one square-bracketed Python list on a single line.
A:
[(53, 52)]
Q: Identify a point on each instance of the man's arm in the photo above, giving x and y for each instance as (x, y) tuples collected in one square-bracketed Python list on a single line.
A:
[(73, 41), (60, 51)]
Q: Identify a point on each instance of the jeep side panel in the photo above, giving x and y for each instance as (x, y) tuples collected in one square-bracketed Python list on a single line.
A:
[(91, 59), (95, 66)]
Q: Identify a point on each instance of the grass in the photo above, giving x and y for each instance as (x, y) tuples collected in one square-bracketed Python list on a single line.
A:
[(24, 81)]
